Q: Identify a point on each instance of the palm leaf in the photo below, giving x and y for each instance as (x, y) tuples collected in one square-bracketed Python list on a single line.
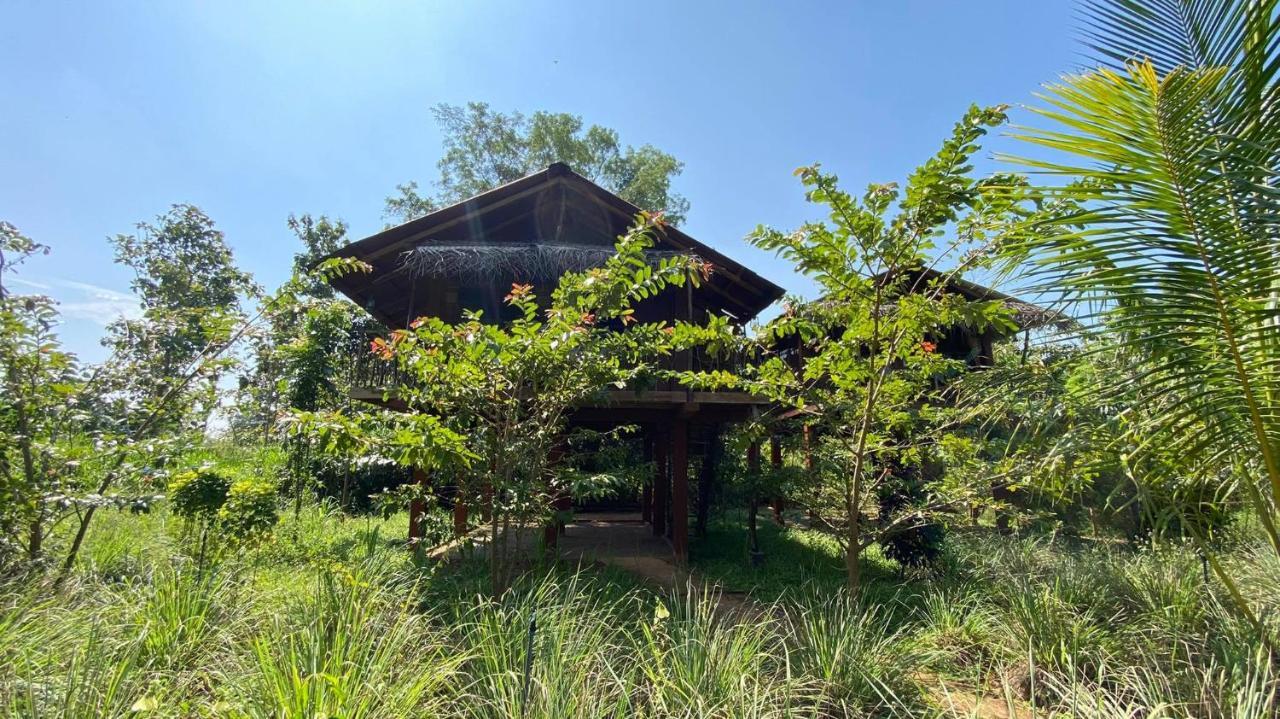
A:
[(1175, 144)]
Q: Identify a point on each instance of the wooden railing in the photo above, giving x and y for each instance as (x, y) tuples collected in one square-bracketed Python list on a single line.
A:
[(363, 369)]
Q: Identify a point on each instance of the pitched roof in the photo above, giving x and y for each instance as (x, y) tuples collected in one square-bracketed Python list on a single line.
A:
[(554, 213), (1026, 315)]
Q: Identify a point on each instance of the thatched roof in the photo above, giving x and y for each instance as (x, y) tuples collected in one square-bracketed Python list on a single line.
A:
[(534, 261), (1026, 315), (530, 229)]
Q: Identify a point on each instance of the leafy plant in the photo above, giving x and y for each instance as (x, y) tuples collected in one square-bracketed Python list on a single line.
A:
[(1175, 152), (859, 365), (234, 512)]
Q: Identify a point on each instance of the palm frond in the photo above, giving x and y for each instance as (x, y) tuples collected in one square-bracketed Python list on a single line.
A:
[(1178, 254)]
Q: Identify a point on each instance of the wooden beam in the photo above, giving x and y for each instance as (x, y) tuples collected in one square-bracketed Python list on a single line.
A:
[(680, 489), (467, 216), (678, 396)]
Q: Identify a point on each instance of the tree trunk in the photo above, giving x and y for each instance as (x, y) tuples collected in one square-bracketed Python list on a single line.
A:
[(853, 555), (493, 552), (35, 543), (853, 568), (346, 490), (753, 538)]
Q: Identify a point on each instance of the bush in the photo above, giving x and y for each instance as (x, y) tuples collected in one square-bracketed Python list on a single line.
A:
[(250, 510), (198, 494), (235, 511)]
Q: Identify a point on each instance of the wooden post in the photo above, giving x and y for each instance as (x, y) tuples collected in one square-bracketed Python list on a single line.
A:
[(551, 533), (646, 491), (706, 479), (680, 489), (753, 468), (775, 459), (459, 515), (661, 451), (564, 503), (416, 508)]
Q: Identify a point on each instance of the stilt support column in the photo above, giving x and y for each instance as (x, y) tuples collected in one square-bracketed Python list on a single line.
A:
[(680, 489)]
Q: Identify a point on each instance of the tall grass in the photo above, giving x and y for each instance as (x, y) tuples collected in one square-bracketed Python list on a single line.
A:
[(335, 618), (351, 649), (860, 660)]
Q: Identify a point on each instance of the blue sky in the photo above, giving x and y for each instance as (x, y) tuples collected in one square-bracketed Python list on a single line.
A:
[(255, 110)]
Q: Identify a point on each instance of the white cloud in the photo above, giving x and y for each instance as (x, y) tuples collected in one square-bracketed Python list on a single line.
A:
[(84, 301), (28, 283)]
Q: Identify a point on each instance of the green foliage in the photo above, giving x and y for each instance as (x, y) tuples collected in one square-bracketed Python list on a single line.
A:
[(858, 655), (38, 411), (199, 494), (319, 236), (310, 626), (239, 511), (296, 353), (250, 512), (1176, 160), (352, 636), (870, 383), (484, 149), (705, 661), (191, 290)]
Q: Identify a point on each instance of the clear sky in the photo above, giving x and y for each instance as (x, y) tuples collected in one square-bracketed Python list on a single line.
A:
[(255, 110)]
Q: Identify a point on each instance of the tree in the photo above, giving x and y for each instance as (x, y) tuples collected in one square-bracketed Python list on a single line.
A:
[(54, 438), (484, 149), (35, 374), (868, 385), (1176, 142), (145, 435), (319, 237), (190, 289), (508, 387), (284, 353)]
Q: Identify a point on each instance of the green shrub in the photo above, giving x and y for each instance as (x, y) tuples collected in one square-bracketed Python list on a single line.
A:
[(198, 494), (228, 511), (250, 511)]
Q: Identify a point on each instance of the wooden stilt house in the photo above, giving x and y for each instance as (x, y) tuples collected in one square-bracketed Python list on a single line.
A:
[(467, 255)]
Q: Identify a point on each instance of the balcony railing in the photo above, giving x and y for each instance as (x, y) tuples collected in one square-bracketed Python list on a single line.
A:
[(364, 370)]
